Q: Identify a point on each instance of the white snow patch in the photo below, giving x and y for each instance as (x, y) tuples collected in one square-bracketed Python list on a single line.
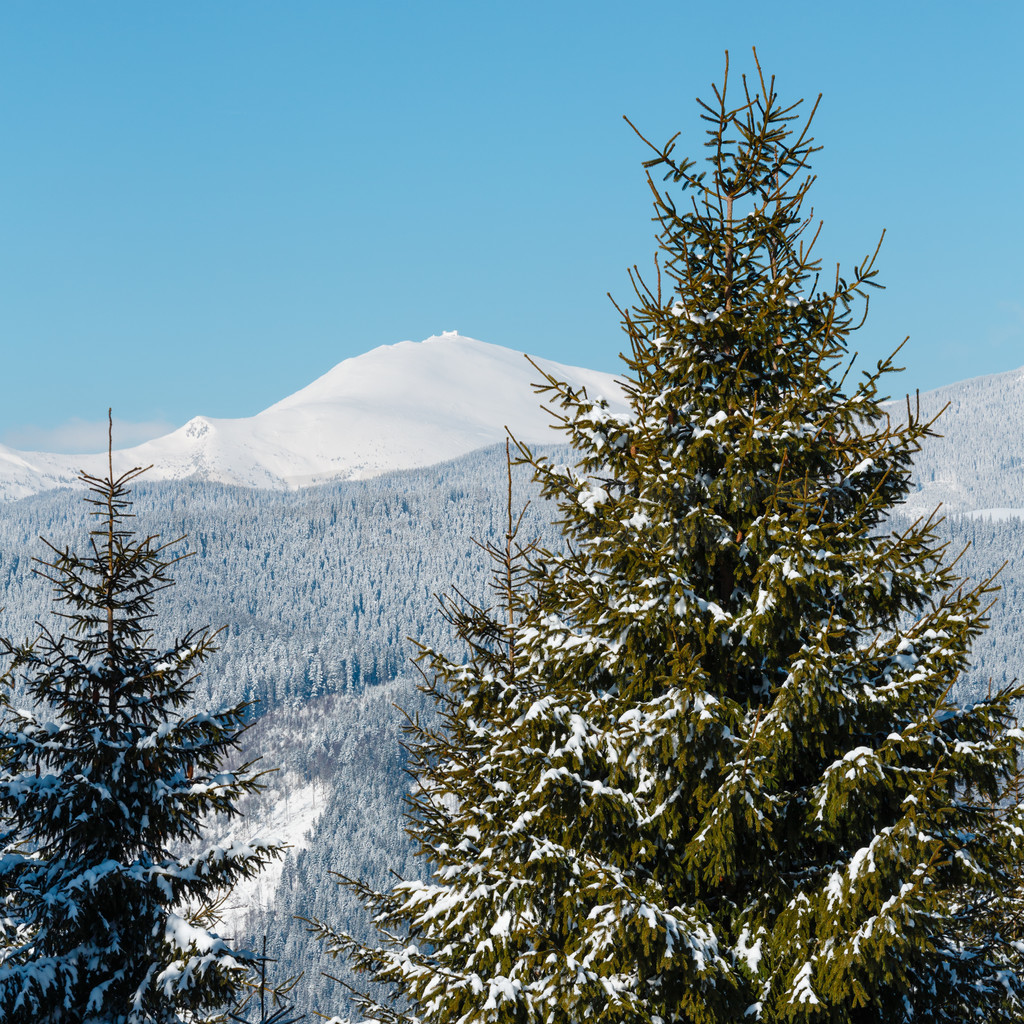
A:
[(802, 991), (749, 951), (291, 816)]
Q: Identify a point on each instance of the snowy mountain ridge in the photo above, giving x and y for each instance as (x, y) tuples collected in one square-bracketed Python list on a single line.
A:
[(415, 404), (396, 407)]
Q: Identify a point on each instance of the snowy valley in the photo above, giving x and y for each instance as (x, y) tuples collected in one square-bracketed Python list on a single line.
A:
[(324, 526)]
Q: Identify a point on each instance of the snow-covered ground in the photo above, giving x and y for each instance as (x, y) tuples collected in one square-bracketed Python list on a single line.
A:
[(397, 407), (288, 811)]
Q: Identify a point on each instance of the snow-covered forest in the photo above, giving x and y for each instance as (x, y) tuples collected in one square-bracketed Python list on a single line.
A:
[(319, 590), (976, 463)]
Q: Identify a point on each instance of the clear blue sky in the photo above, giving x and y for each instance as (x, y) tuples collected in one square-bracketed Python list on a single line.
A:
[(204, 206)]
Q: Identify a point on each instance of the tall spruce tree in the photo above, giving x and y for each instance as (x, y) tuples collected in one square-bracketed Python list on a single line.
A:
[(709, 770), (104, 785)]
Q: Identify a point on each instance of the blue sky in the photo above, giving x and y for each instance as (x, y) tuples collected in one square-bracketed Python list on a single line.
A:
[(204, 206)]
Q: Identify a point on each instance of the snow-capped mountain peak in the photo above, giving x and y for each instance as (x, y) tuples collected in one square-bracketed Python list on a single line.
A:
[(396, 407)]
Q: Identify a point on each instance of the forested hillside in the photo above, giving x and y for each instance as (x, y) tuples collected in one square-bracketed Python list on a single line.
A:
[(318, 590), (977, 461), (991, 546)]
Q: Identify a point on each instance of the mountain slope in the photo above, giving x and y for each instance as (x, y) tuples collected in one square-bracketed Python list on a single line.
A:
[(977, 465), (321, 586), (397, 407)]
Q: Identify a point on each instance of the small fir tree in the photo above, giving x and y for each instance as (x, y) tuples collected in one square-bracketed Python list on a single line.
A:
[(710, 770), (104, 782), (266, 1002)]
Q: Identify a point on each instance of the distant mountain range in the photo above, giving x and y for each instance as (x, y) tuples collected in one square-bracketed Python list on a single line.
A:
[(415, 404), (397, 407)]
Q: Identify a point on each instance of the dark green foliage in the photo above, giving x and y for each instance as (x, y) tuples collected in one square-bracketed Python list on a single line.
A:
[(704, 766), (104, 788)]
